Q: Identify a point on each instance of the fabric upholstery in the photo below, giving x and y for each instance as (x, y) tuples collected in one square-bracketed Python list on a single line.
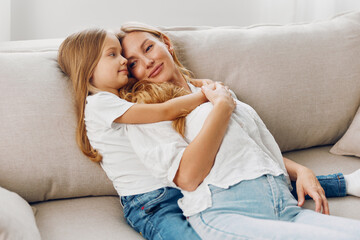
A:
[(89, 218)]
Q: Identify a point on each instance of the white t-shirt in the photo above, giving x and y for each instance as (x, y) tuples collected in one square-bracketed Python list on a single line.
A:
[(121, 164), (248, 151)]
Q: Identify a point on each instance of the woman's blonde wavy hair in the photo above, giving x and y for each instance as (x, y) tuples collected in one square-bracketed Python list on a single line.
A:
[(78, 56), (148, 92)]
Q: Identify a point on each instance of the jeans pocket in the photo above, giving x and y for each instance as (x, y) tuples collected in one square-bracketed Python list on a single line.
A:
[(154, 199)]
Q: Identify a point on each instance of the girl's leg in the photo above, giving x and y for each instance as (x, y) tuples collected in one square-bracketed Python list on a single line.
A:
[(156, 215), (334, 185), (353, 183)]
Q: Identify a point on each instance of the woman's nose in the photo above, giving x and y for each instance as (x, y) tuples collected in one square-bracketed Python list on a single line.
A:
[(149, 62)]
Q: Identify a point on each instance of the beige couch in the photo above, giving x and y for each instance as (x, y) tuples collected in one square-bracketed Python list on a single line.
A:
[(303, 80)]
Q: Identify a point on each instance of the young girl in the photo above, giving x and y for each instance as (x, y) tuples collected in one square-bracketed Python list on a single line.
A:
[(92, 59)]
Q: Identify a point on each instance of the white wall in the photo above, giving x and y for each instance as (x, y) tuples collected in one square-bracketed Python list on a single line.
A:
[(37, 19), (5, 20)]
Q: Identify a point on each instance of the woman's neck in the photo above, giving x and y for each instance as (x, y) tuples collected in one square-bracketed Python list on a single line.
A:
[(180, 81)]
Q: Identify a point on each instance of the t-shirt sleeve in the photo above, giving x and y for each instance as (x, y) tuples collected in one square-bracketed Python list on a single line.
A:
[(159, 147), (107, 107)]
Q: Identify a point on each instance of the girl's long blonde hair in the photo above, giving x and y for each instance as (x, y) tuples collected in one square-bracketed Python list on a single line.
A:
[(147, 92), (77, 57)]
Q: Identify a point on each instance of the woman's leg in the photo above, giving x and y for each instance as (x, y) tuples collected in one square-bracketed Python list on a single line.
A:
[(262, 208), (334, 185), (156, 215), (227, 225)]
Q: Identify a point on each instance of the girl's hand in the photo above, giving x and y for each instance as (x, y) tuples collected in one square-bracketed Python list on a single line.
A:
[(307, 184), (218, 94), (201, 82)]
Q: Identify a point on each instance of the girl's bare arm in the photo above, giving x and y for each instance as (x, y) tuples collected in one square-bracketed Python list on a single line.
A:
[(166, 111)]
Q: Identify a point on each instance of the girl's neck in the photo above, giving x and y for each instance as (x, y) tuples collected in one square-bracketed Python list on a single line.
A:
[(114, 91)]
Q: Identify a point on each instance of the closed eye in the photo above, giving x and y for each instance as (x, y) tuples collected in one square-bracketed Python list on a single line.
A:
[(132, 65), (148, 48)]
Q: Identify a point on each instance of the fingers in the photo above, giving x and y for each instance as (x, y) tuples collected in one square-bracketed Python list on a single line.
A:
[(301, 197), (221, 83), (318, 202), (321, 203), (326, 209)]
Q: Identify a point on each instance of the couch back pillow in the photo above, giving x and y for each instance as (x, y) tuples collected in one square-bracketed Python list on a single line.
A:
[(302, 79), (39, 157)]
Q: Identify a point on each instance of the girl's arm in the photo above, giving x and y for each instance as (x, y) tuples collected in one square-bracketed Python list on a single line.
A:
[(307, 184), (201, 82), (166, 111), (199, 156)]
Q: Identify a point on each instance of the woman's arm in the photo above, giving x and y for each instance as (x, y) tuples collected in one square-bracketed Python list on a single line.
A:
[(198, 157), (170, 158), (166, 111), (307, 184)]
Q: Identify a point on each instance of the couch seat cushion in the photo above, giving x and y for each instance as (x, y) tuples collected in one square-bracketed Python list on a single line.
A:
[(83, 218)]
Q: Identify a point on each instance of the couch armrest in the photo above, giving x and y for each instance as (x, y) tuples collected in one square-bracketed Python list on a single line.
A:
[(17, 219)]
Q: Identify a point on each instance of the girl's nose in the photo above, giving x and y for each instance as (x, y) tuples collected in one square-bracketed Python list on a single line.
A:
[(123, 60)]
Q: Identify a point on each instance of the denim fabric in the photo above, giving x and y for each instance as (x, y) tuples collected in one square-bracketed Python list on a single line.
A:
[(156, 215), (143, 212), (334, 185), (264, 208)]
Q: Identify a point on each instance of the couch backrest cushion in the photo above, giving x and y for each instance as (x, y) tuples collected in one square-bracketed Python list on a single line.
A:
[(39, 157), (302, 79)]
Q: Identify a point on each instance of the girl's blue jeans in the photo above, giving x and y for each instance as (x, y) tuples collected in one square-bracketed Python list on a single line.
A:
[(156, 214)]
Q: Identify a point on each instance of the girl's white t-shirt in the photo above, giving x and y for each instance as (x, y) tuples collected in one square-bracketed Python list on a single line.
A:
[(121, 164)]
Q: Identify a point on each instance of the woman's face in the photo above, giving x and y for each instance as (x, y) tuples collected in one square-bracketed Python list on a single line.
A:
[(149, 58)]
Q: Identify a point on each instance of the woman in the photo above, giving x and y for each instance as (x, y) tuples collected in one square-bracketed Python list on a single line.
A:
[(151, 58)]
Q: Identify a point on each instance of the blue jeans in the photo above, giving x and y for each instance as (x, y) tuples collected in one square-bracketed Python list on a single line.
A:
[(156, 214), (264, 208)]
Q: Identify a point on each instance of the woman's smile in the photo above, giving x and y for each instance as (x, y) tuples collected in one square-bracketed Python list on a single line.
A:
[(156, 70)]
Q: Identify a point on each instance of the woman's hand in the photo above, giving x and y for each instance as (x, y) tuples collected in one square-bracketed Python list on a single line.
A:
[(307, 184), (216, 93)]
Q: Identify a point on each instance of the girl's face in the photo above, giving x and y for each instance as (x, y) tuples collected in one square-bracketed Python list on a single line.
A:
[(149, 58), (111, 72)]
